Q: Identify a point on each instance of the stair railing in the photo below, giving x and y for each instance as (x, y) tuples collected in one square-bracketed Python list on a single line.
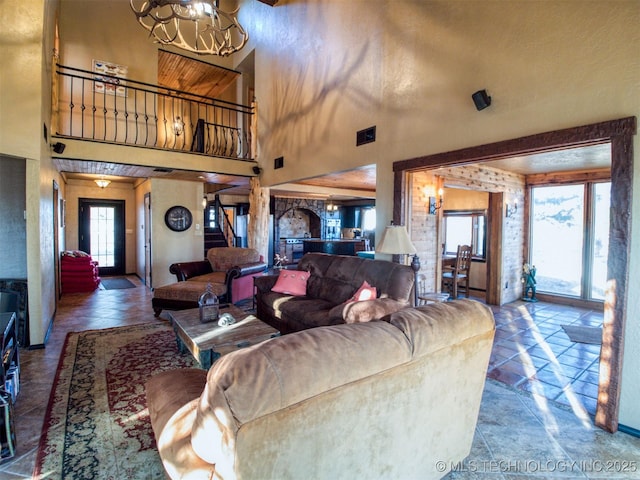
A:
[(223, 222)]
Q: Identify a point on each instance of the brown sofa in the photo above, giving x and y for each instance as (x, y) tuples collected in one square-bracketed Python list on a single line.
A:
[(230, 271), (333, 280), (384, 399)]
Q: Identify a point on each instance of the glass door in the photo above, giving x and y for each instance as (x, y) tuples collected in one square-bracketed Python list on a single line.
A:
[(102, 233), (600, 235), (569, 239)]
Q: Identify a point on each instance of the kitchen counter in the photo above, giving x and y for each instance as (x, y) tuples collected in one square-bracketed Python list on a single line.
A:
[(336, 247)]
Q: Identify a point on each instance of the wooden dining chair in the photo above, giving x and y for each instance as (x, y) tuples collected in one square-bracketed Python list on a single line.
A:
[(459, 274)]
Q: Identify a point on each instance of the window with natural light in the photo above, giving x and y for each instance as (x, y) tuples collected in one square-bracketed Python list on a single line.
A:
[(102, 228), (369, 219), (465, 228), (570, 238)]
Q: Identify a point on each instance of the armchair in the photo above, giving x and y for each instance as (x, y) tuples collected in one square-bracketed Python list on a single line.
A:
[(230, 270)]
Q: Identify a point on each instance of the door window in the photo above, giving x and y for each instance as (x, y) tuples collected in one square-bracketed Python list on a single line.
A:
[(101, 233), (569, 238)]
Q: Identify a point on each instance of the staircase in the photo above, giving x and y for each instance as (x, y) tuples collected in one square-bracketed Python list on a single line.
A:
[(213, 238)]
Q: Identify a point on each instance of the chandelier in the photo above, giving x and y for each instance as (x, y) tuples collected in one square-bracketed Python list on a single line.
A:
[(198, 26)]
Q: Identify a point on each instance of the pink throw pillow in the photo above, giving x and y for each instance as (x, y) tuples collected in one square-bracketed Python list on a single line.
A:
[(365, 292), (292, 282)]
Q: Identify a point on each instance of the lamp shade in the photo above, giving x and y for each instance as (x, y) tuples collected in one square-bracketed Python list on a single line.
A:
[(395, 240)]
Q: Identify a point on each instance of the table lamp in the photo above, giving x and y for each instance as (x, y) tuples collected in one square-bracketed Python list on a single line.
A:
[(395, 241)]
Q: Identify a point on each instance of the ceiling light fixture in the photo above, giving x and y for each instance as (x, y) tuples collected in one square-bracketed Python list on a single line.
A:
[(102, 182), (197, 26)]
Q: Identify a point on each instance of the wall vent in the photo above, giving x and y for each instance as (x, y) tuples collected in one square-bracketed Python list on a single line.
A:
[(367, 135)]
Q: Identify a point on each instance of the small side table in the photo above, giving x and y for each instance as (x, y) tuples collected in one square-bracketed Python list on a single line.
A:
[(433, 297)]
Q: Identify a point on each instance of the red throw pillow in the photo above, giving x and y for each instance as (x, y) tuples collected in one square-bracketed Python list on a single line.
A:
[(365, 292), (292, 282)]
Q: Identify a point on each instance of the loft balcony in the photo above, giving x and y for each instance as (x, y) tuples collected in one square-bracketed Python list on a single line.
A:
[(107, 109)]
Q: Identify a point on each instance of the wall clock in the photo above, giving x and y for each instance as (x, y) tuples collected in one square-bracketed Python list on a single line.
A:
[(178, 218)]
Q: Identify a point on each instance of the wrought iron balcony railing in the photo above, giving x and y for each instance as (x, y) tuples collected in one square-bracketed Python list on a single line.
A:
[(105, 108)]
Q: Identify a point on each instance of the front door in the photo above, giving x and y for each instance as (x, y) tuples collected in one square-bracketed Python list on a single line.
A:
[(101, 233)]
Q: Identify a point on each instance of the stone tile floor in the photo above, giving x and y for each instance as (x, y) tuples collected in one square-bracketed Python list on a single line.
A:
[(531, 352), (534, 419)]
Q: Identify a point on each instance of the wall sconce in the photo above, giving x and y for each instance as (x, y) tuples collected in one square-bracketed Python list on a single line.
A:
[(511, 209), (433, 207), (205, 202), (332, 207), (102, 182), (178, 126)]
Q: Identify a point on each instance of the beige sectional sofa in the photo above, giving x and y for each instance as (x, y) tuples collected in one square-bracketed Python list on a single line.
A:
[(397, 398)]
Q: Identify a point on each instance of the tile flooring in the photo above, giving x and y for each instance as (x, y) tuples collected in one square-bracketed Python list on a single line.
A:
[(534, 420), (531, 352)]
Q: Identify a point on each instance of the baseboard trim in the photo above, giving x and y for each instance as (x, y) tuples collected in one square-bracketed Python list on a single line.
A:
[(629, 430)]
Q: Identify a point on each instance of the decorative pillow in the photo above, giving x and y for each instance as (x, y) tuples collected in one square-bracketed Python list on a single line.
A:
[(365, 292), (292, 282)]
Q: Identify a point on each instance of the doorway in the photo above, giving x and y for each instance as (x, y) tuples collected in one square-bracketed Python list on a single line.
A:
[(58, 217), (619, 134), (147, 240), (101, 233)]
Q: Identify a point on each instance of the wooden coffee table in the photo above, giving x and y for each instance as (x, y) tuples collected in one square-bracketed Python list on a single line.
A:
[(207, 341)]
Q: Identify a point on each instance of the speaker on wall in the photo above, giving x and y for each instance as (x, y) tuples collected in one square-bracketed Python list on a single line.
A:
[(481, 99), (59, 147)]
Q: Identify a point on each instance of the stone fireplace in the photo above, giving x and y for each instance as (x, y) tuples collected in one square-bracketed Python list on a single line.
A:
[(298, 218)]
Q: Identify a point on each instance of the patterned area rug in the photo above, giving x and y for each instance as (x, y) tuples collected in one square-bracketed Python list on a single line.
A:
[(97, 424)]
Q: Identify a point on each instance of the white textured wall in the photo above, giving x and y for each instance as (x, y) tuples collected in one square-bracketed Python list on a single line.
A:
[(327, 69), (168, 246)]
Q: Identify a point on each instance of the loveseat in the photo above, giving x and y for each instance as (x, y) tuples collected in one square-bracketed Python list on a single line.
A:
[(397, 398), (229, 270), (333, 281)]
